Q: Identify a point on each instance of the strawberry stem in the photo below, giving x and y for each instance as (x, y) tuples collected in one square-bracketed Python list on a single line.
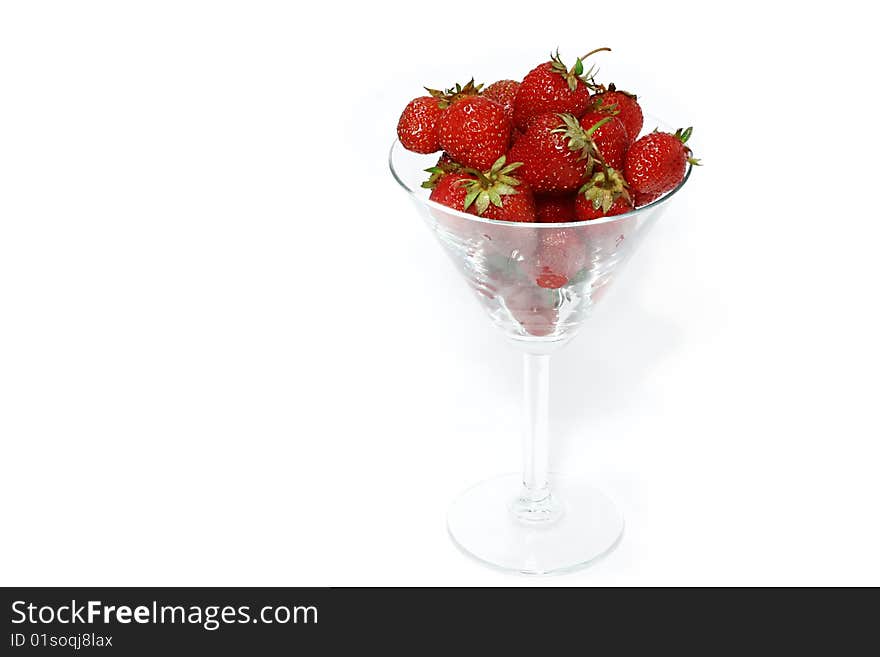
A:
[(481, 177), (593, 52), (598, 125), (605, 166)]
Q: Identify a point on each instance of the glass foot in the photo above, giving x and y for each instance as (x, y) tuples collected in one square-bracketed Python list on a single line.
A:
[(587, 527)]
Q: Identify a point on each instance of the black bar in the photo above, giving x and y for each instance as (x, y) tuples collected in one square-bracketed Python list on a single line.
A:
[(256, 621)]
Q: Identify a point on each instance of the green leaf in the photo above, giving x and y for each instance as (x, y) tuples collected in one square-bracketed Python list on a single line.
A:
[(472, 194), (578, 67), (482, 203)]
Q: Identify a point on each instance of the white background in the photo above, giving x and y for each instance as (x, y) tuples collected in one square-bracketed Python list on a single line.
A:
[(231, 354)]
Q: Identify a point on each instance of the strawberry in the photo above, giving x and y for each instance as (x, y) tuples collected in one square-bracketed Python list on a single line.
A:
[(555, 209), (640, 199), (449, 190), (587, 211), (606, 194), (550, 280), (656, 163), (474, 131), (560, 255), (626, 107), (493, 194), (417, 127), (532, 307), (556, 152), (551, 87), (514, 135), (520, 207), (444, 165), (610, 138), (503, 92)]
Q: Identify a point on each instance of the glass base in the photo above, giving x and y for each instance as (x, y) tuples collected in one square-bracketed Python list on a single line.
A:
[(587, 527)]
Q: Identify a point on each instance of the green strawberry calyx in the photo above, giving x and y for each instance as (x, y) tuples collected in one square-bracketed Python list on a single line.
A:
[(438, 171), (683, 136), (605, 187), (449, 96), (488, 187), (579, 139), (611, 109), (576, 73)]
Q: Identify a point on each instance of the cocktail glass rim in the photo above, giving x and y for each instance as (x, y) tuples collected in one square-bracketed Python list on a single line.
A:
[(419, 195)]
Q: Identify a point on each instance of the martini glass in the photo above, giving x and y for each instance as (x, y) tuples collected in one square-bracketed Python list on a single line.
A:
[(535, 522)]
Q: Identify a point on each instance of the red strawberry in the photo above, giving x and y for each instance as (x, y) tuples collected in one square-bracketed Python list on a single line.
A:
[(533, 308), (417, 127), (656, 163), (444, 165), (625, 105), (519, 207), (551, 87), (549, 280), (449, 190), (514, 135), (610, 138), (606, 194), (503, 92), (560, 255), (556, 152), (640, 199), (555, 209), (493, 194), (474, 131), (587, 211)]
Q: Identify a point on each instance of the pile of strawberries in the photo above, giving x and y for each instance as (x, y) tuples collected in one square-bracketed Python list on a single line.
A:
[(556, 147)]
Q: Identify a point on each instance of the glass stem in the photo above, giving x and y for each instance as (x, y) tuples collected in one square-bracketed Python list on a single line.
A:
[(536, 418), (535, 503)]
